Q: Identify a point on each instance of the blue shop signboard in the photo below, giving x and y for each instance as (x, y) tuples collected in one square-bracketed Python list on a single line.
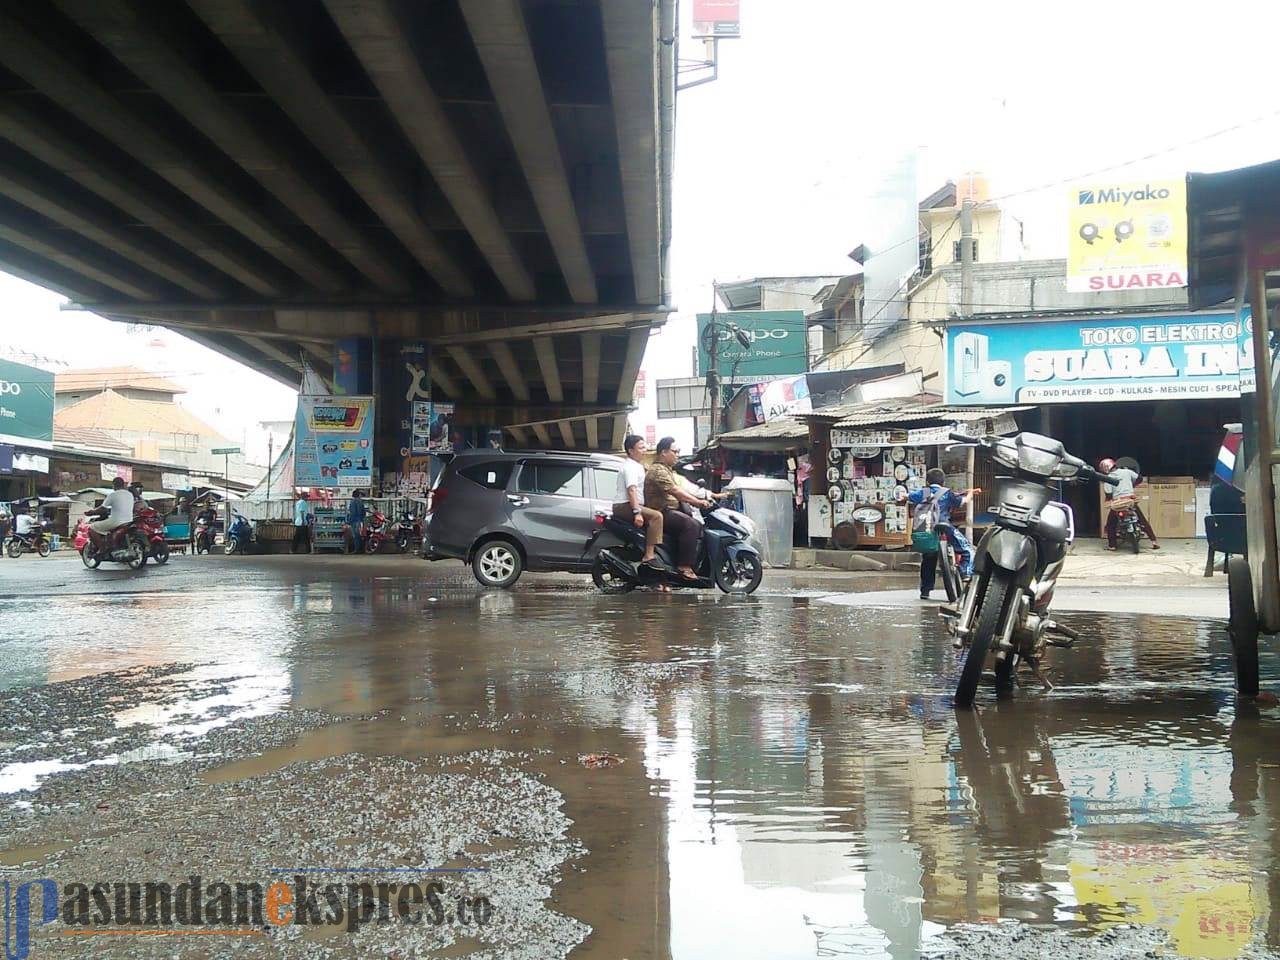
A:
[(1097, 359)]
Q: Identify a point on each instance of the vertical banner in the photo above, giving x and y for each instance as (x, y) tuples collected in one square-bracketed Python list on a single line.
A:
[(353, 366), (409, 381), (334, 439), (440, 435), (1130, 236), (26, 405)]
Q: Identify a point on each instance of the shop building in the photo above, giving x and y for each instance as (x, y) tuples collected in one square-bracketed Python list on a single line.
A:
[(1156, 386)]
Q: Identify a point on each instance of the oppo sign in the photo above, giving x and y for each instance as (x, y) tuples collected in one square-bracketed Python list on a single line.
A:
[(777, 333), (10, 389), (26, 405), (777, 343)]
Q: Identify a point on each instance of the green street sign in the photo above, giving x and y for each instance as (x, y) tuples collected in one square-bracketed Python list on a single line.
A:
[(26, 405), (224, 450)]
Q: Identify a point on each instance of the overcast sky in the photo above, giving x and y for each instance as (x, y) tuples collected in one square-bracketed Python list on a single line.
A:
[(775, 160)]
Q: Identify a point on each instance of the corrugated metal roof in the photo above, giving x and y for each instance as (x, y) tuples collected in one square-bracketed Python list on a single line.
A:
[(781, 429), (886, 412)]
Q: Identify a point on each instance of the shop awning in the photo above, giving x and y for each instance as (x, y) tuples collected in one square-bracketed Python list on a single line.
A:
[(783, 433), (918, 421)]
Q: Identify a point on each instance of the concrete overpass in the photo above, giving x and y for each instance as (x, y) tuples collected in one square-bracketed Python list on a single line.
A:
[(269, 177)]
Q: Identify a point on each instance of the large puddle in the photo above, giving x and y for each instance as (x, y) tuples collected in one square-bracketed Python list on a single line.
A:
[(794, 781)]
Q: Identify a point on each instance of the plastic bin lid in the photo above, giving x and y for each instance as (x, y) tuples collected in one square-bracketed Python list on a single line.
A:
[(759, 483)]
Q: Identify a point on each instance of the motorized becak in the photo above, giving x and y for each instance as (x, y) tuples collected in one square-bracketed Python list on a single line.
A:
[(725, 557), (1005, 611)]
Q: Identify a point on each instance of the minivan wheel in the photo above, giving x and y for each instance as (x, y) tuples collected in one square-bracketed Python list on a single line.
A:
[(497, 563)]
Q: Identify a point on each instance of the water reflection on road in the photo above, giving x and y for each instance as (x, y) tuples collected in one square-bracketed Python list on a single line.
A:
[(796, 782)]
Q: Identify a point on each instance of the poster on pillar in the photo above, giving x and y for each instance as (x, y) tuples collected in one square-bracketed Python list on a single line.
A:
[(334, 437), (440, 435), (1101, 359)]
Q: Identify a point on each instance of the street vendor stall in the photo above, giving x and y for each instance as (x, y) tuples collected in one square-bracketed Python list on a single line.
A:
[(1234, 257), (869, 456)]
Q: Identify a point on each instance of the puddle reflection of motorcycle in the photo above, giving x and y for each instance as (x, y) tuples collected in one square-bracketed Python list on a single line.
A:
[(1019, 805), (1005, 609)]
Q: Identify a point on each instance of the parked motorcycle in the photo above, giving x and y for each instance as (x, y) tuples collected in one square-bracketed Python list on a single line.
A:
[(127, 544), (725, 558), (409, 528), (1005, 609), (81, 535), (152, 526), (239, 536), (378, 530), (35, 540)]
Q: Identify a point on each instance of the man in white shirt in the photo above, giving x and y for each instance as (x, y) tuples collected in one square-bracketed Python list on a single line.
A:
[(24, 523), (628, 499), (116, 511)]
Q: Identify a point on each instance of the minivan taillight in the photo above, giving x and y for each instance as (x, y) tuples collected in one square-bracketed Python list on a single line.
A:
[(436, 498)]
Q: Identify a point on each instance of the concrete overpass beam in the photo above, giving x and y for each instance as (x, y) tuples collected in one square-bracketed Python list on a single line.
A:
[(546, 350), (566, 434), (619, 431), (35, 193), (593, 433), (631, 41), (443, 380), (75, 92), (590, 368), (259, 36), (544, 438), (502, 40), (637, 340), (79, 258), (375, 33), (518, 435), (124, 29), (26, 129), (506, 360), (472, 370), (291, 360)]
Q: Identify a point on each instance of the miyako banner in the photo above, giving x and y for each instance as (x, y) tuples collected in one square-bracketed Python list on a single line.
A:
[(1127, 236), (334, 438), (1100, 359)]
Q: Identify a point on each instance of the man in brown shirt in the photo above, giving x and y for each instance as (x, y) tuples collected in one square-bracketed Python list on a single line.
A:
[(663, 491)]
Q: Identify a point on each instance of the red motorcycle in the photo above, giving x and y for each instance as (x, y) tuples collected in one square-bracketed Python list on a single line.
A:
[(127, 544), (152, 526), (409, 528), (81, 535), (378, 530)]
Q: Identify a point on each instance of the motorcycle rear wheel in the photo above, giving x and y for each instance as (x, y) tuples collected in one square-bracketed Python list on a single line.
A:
[(160, 553), (89, 556), (15, 548), (995, 600), (1135, 541), (606, 580), (230, 546), (138, 550), (371, 545)]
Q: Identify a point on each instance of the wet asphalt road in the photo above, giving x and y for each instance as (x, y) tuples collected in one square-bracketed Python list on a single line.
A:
[(785, 774)]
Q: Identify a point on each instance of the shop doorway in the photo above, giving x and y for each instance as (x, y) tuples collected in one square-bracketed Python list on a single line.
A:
[(1168, 438)]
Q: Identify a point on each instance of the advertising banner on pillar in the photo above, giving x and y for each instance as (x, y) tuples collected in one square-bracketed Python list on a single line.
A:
[(26, 405), (412, 394), (1101, 359), (440, 435), (1127, 236), (334, 437)]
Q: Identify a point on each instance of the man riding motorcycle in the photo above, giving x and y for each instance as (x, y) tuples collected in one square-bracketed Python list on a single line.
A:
[(666, 491), (116, 512)]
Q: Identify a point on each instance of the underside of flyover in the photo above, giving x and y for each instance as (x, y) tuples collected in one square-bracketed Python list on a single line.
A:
[(269, 178)]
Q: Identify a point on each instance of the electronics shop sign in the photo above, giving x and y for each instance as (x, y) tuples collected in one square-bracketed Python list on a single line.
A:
[(1103, 359)]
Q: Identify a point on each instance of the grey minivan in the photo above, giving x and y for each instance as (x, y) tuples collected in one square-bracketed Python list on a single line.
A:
[(506, 512)]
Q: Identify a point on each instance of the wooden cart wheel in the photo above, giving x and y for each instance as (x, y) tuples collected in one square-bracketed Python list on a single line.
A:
[(845, 535)]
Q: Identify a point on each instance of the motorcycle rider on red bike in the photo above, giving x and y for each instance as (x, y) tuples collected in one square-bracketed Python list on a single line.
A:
[(1123, 491), (114, 515)]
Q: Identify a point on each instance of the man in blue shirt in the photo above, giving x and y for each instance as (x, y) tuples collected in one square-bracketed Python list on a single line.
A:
[(943, 500), (355, 520), (301, 526)]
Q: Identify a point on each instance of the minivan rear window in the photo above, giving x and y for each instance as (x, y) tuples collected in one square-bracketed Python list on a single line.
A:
[(562, 479), (493, 475)]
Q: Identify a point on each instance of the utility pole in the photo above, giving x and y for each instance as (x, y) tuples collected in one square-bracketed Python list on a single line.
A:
[(966, 311), (271, 441), (713, 375)]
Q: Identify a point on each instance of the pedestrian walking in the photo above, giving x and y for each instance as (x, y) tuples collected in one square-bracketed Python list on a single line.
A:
[(355, 520), (301, 526)]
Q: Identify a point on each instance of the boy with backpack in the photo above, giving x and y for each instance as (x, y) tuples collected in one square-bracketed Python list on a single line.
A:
[(934, 503)]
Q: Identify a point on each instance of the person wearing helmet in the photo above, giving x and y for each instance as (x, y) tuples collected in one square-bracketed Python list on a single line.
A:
[(1123, 490)]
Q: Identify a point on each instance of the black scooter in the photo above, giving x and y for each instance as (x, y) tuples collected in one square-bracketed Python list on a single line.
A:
[(725, 558)]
